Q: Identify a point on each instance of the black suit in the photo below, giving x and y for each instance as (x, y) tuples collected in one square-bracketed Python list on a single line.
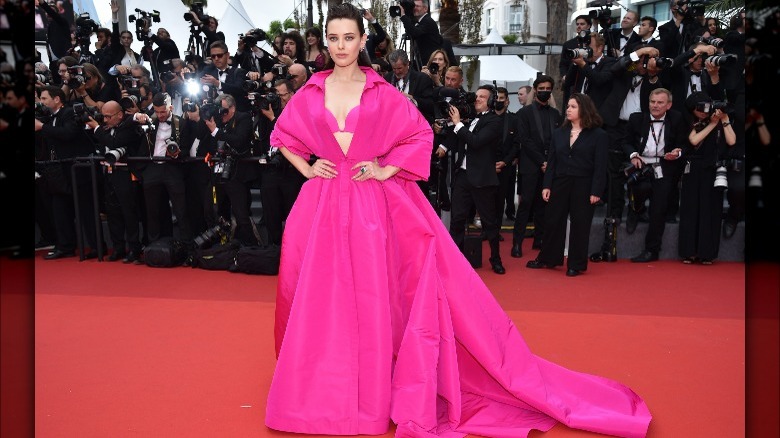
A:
[(65, 139), (564, 63), (507, 152), (233, 84), (421, 88), (599, 80), (424, 35), (614, 37), (574, 174), (374, 39), (165, 51), (536, 124), (672, 40), (237, 133), (121, 192), (657, 190), (477, 185)]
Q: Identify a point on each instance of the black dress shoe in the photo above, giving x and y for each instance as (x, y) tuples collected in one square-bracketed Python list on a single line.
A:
[(517, 252), (631, 221), (729, 228), (116, 255), (90, 255), (498, 268), (131, 257), (645, 257), (573, 272), (57, 254), (537, 264)]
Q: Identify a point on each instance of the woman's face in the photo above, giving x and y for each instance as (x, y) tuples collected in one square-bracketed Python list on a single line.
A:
[(438, 58), (344, 41), (573, 111), (312, 40), (382, 45), (712, 27)]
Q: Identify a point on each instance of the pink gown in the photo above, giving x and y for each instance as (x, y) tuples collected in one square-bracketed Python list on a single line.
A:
[(380, 318)]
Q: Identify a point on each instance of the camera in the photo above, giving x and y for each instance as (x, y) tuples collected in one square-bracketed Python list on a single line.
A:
[(635, 175), (250, 86), (280, 71), (695, 8), (128, 102), (212, 110), (168, 76), (209, 237), (189, 107), (143, 20), (251, 38), (712, 106), (76, 76), (713, 41), (84, 113), (407, 5), (273, 158), (172, 148), (43, 113), (722, 59), (225, 161), (113, 155), (85, 27), (44, 77), (197, 8), (603, 14), (583, 53), (433, 68), (462, 101), (662, 63), (262, 101)]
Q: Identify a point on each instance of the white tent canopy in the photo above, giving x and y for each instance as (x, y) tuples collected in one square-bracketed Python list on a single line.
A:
[(508, 71)]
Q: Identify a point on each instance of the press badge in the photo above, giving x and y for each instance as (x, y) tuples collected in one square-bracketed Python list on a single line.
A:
[(687, 167), (659, 173)]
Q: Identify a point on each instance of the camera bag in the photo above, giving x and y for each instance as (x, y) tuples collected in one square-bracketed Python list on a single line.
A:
[(217, 257), (165, 252), (258, 260), (472, 248)]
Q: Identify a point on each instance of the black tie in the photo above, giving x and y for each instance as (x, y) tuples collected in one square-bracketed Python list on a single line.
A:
[(624, 37), (656, 121)]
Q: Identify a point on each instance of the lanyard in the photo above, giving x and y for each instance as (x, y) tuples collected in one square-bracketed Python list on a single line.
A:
[(658, 138)]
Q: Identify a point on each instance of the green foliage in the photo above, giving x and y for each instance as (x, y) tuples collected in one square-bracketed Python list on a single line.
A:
[(274, 29), (510, 39), (723, 10), (291, 24)]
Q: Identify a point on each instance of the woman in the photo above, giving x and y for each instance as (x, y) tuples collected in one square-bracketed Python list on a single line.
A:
[(701, 203), (573, 183), (713, 27), (374, 318), (316, 53), (436, 74), (383, 48)]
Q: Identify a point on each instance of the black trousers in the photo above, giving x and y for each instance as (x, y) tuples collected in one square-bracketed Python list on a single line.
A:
[(616, 182), (240, 203), (159, 179), (657, 191), (465, 197), (279, 188), (701, 208), (505, 197), (122, 211), (530, 200), (736, 195), (569, 196), (43, 214), (199, 196), (64, 214)]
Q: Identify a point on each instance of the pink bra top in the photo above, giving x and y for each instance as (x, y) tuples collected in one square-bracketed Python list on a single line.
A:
[(350, 124)]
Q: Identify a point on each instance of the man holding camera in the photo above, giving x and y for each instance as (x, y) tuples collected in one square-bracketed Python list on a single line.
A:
[(421, 29), (232, 132), (252, 58), (688, 76), (475, 181), (654, 142), (536, 123), (677, 33), (116, 135), (624, 36), (223, 78), (65, 138), (162, 175), (581, 40), (204, 23)]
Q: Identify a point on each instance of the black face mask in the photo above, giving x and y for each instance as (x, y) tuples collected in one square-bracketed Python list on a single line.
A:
[(544, 95), (500, 105)]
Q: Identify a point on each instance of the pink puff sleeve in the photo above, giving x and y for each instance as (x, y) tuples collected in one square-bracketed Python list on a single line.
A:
[(411, 151), (284, 133)]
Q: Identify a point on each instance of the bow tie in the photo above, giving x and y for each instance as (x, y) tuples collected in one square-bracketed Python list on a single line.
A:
[(696, 73), (656, 121), (223, 72), (167, 122), (624, 37)]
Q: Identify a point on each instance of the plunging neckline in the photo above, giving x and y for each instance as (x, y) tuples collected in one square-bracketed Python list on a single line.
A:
[(342, 129), (349, 147)]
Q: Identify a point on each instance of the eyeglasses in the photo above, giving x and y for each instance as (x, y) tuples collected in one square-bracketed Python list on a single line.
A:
[(218, 55)]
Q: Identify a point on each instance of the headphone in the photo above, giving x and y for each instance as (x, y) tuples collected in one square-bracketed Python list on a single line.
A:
[(491, 102)]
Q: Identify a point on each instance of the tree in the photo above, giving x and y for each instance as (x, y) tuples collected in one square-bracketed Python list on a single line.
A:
[(449, 17), (557, 32), (274, 29), (291, 24)]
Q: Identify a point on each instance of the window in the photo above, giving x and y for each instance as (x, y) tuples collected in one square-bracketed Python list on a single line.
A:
[(657, 10), (514, 18), (489, 17)]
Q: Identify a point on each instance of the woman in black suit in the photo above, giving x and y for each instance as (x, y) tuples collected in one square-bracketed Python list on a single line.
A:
[(575, 177)]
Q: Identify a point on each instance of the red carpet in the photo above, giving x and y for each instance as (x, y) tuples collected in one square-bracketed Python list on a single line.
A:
[(125, 351)]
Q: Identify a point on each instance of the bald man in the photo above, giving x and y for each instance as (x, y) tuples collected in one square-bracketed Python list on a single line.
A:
[(116, 136), (298, 76)]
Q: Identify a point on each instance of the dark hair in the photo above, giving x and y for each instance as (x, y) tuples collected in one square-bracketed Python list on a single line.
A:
[(589, 115), (161, 99), (502, 90), (349, 12), (54, 92), (105, 31), (584, 17), (300, 45), (286, 83), (652, 20), (126, 32), (735, 22), (69, 61), (219, 44), (543, 78), (315, 32)]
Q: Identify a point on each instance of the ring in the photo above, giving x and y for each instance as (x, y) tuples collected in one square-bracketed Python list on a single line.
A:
[(362, 169)]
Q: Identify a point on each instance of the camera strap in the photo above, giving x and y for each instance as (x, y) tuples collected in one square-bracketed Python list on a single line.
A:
[(657, 138)]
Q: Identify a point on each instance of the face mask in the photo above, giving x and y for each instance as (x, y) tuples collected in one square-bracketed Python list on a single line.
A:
[(500, 105), (543, 96)]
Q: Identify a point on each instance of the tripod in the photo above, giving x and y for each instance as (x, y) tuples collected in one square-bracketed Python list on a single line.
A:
[(414, 52), (196, 41)]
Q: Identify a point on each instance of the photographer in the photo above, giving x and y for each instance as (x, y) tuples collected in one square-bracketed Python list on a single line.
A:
[(293, 49), (252, 58), (92, 89), (688, 76), (116, 135), (64, 139), (581, 40), (205, 24), (590, 71), (421, 30), (375, 39), (701, 199), (654, 142), (164, 176), (475, 181), (624, 36), (298, 75), (677, 33), (280, 182), (437, 67), (58, 32), (506, 158), (535, 125), (232, 131), (223, 78)]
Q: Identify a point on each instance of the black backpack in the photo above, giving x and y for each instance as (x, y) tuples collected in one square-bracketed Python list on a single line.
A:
[(165, 252), (217, 257)]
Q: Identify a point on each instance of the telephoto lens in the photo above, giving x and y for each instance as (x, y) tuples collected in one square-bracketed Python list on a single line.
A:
[(721, 182)]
